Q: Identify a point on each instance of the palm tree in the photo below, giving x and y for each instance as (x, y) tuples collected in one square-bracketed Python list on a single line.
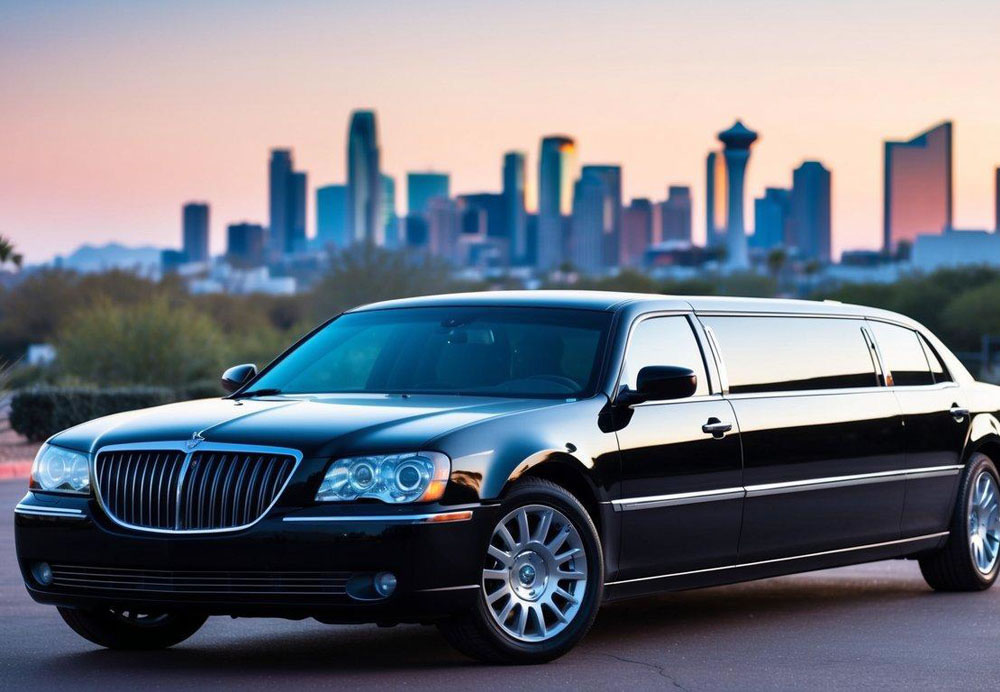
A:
[(7, 253)]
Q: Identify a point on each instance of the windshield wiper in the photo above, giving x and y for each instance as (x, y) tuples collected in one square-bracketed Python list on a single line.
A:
[(257, 392)]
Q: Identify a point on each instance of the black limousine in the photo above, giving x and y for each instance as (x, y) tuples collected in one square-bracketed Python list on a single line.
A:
[(500, 464)]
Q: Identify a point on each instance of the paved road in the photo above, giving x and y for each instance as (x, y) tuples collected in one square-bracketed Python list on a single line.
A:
[(874, 626)]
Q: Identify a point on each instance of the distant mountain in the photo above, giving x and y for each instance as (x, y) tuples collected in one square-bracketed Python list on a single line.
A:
[(90, 258)]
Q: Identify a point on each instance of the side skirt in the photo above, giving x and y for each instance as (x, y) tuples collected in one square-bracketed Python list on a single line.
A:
[(731, 574)]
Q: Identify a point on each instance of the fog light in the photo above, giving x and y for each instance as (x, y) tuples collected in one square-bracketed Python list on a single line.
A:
[(43, 573), (385, 583)]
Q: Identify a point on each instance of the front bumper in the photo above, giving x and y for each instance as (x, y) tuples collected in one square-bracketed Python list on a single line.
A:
[(295, 562)]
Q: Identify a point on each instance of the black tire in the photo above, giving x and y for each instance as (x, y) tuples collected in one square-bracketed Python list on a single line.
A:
[(478, 635), (123, 629), (953, 567)]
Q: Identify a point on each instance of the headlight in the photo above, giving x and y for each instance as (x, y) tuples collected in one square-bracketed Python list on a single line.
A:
[(409, 477), (61, 470)]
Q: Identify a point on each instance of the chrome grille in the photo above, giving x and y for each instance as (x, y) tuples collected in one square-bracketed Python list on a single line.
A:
[(206, 490), (127, 580)]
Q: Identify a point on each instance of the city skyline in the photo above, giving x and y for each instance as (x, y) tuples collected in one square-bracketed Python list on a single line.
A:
[(106, 134)]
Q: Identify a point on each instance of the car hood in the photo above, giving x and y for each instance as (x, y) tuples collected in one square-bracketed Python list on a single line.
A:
[(316, 425)]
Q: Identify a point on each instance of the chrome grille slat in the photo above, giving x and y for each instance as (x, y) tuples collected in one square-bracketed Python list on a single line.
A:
[(170, 490)]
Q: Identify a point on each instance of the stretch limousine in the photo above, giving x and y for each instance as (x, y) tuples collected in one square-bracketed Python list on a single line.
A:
[(500, 464)]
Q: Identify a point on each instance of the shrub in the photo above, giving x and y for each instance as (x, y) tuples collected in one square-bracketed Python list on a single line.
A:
[(41, 412), (150, 343)]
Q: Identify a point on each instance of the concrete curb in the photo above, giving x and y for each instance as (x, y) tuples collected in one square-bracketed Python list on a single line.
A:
[(14, 469)]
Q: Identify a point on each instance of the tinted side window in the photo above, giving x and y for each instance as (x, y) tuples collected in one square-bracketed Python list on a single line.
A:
[(937, 367), (664, 341), (903, 354), (775, 354)]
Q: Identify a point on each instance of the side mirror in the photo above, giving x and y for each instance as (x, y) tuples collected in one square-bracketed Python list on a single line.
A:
[(235, 377), (662, 383)]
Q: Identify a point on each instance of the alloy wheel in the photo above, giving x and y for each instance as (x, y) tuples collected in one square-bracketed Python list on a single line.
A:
[(984, 522), (535, 574)]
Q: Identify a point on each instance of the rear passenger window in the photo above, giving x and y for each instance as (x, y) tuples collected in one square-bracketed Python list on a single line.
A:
[(664, 341), (776, 354), (937, 367), (903, 354)]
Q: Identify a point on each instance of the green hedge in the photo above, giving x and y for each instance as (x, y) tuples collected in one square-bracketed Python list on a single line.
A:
[(40, 412)]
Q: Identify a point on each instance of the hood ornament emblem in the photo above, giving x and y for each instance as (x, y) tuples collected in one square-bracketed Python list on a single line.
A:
[(196, 439)]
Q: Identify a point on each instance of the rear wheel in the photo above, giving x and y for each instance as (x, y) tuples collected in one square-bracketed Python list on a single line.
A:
[(970, 559), (121, 628), (541, 583)]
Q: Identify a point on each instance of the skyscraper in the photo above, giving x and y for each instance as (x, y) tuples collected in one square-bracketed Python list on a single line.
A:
[(296, 241), (556, 172), (811, 210), (772, 219), (279, 196), (245, 244), (364, 209), (421, 187), (715, 199), (195, 231), (917, 196), (736, 150), (637, 232), (390, 224), (591, 220), (444, 226), (675, 214), (996, 196), (515, 216), (331, 216)]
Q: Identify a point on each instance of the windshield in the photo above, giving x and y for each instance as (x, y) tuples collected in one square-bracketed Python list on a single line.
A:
[(492, 351)]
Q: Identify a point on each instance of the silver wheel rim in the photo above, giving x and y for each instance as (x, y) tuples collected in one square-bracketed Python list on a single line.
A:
[(984, 522), (535, 574)]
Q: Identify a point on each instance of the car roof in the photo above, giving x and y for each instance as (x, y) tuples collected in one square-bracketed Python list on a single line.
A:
[(613, 301)]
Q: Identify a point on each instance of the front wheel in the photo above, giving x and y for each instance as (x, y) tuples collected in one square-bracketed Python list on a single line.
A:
[(121, 628), (541, 583), (970, 559)]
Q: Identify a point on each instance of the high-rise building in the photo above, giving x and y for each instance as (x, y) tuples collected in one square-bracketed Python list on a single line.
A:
[(245, 244), (390, 222), (331, 216), (444, 226), (296, 241), (556, 172), (811, 211), (279, 199), (917, 197), (595, 233), (515, 215), (675, 214), (364, 209), (637, 232), (996, 196), (716, 191), (287, 189), (736, 150), (422, 187), (195, 231), (772, 215)]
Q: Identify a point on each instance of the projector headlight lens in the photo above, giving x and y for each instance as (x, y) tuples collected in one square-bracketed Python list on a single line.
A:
[(393, 478), (60, 470)]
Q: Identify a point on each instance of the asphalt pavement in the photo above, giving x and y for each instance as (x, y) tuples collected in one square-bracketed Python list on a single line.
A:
[(866, 627)]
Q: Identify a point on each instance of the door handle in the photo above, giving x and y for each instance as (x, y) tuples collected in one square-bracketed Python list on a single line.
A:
[(716, 428), (958, 413)]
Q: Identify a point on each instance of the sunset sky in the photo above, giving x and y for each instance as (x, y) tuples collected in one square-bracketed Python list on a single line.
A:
[(114, 113)]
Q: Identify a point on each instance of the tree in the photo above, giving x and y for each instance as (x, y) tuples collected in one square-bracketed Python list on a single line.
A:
[(776, 259), (150, 343), (7, 254)]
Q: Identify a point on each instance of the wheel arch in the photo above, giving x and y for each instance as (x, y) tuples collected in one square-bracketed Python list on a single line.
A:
[(566, 471), (984, 437)]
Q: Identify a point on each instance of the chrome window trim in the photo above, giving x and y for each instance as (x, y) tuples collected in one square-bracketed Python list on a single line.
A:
[(183, 446), (764, 489), (758, 563), (634, 325)]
